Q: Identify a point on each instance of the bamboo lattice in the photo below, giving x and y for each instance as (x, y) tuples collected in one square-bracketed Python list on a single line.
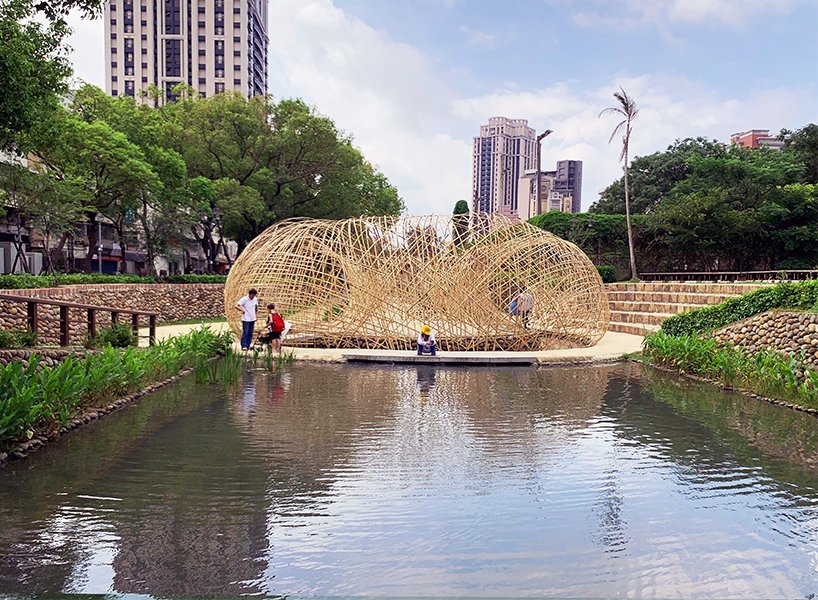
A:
[(371, 282)]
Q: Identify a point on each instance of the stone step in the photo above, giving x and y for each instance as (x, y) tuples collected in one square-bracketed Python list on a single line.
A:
[(642, 318), (733, 289), (632, 328), (668, 297), (671, 308)]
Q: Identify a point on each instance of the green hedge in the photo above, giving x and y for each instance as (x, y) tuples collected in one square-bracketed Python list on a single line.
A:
[(36, 399), (802, 294), (22, 282), (607, 273)]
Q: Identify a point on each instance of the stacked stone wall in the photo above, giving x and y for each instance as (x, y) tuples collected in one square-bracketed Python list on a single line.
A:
[(48, 356), (790, 333), (173, 302)]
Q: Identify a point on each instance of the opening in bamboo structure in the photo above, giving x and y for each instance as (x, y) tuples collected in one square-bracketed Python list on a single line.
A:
[(480, 281)]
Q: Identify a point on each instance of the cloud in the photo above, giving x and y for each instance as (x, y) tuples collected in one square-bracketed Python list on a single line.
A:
[(663, 15), (385, 92), (475, 37)]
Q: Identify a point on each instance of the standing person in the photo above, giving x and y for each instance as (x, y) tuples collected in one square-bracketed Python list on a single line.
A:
[(248, 307), (275, 327), (426, 341)]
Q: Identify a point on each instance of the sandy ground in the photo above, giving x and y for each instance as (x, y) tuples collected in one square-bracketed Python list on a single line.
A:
[(610, 347)]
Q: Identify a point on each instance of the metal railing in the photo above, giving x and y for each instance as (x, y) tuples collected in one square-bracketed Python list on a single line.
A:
[(33, 316), (781, 275)]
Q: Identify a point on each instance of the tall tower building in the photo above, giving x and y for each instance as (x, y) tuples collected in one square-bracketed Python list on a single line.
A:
[(568, 181), (211, 45), (505, 150)]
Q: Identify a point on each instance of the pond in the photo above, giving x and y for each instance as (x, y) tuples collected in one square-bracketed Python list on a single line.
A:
[(341, 480)]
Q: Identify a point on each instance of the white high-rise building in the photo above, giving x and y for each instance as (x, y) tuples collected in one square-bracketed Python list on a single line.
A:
[(211, 45), (504, 151)]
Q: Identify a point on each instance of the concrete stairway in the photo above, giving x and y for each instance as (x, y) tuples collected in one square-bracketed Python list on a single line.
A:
[(640, 308)]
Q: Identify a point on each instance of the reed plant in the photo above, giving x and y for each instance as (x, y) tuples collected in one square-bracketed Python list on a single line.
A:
[(35, 398), (767, 373)]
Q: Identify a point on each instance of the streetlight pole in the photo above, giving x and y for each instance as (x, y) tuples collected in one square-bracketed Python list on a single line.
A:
[(537, 187), (99, 247)]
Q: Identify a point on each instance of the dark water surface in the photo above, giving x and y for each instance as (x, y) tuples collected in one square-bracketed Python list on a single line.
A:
[(342, 480)]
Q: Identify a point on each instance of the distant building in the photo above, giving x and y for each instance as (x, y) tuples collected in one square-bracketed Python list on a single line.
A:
[(757, 138), (504, 151), (559, 190), (212, 46), (569, 182)]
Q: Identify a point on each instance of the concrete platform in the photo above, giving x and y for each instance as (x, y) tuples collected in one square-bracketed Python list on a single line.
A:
[(611, 347), (443, 358)]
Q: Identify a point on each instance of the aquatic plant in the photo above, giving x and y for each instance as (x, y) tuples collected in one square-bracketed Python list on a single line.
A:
[(767, 373), (35, 398)]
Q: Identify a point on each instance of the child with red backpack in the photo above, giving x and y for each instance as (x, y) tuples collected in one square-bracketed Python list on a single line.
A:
[(273, 329)]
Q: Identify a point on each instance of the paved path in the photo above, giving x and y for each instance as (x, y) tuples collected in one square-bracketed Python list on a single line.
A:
[(610, 347)]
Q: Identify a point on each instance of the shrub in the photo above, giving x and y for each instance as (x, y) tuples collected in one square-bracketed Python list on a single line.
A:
[(12, 338), (20, 282), (767, 372), (117, 335), (607, 273), (803, 294)]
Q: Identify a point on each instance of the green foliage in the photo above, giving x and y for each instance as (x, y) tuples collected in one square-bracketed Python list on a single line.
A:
[(702, 320), (22, 282), (607, 273), (461, 207), (767, 373), (43, 399), (33, 71), (117, 335), (14, 338), (714, 208)]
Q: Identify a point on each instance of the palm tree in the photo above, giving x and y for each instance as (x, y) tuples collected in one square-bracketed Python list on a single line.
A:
[(628, 111)]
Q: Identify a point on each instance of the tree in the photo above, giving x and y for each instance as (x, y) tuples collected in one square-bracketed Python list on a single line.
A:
[(653, 177), (33, 69), (273, 162), (111, 172), (628, 111), (803, 144), (460, 222)]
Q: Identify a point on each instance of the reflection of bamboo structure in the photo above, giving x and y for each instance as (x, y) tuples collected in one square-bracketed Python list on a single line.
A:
[(370, 282)]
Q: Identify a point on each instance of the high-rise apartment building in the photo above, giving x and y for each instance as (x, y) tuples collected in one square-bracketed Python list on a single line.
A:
[(568, 182), (559, 190), (504, 151), (211, 45)]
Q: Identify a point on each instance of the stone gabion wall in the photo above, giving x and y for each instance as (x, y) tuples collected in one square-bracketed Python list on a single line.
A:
[(48, 356), (788, 332), (173, 302)]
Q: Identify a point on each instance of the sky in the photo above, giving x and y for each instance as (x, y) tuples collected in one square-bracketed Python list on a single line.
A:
[(411, 81)]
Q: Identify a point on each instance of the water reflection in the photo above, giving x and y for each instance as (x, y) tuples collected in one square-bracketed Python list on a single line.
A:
[(335, 480)]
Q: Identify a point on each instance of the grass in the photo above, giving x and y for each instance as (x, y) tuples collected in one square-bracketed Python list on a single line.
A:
[(766, 373)]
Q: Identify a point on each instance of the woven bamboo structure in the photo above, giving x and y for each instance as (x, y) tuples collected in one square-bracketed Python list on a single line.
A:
[(370, 282)]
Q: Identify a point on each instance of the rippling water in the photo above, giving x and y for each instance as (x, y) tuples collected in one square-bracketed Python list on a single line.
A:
[(341, 480)]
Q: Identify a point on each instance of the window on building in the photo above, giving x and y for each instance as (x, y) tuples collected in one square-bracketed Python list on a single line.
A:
[(237, 82), (173, 58), (173, 16), (219, 88)]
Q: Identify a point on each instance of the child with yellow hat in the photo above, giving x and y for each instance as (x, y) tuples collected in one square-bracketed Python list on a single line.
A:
[(426, 341)]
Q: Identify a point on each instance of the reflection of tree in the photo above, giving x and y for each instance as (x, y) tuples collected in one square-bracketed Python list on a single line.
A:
[(31, 510), (705, 429), (192, 540)]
